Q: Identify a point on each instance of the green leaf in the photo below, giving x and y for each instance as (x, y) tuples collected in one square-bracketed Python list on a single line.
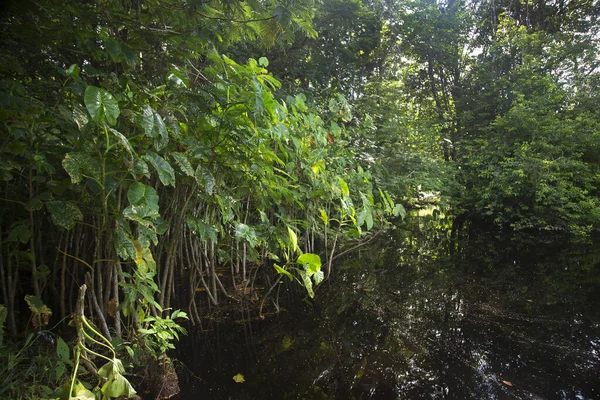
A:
[(318, 277), (20, 232), (263, 61), (312, 261), (184, 164), (283, 271), (34, 204), (124, 244), (73, 70), (243, 231), (305, 279), (166, 173), (344, 187), (360, 217), (64, 214), (369, 220), (76, 164), (62, 350), (117, 386), (124, 141), (139, 194), (293, 239), (205, 178), (101, 105), (201, 229), (153, 124), (399, 210), (324, 217)]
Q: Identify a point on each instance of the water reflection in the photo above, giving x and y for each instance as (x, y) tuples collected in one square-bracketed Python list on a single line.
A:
[(435, 318)]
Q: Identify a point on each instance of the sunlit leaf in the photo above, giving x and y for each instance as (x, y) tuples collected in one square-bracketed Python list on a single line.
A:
[(312, 261), (344, 187), (280, 270)]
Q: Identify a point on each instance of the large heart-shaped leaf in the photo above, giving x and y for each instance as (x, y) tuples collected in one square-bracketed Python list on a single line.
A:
[(139, 194), (166, 173), (64, 214), (312, 262), (101, 105)]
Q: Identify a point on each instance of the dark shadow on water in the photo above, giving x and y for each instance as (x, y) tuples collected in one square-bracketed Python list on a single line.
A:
[(420, 317)]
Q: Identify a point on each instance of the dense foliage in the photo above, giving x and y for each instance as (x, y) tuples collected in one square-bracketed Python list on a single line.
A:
[(193, 154)]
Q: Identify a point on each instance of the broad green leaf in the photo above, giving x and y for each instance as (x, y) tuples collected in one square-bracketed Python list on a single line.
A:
[(139, 194), (344, 187), (62, 350), (124, 141), (153, 124), (318, 277), (324, 217), (184, 164), (64, 214), (73, 70), (114, 49), (117, 386), (34, 204), (201, 229), (20, 232), (124, 244), (360, 217), (283, 271), (140, 212), (318, 167), (369, 220), (78, 164), (166, 173), (101, 105), (305, 279), (399, 210), (80, 392), (312, 261), (144, 259), (205, 179), (263, 61), (243, 231), (293, 239)]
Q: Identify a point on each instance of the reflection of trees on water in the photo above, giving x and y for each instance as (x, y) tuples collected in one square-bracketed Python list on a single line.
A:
[(491, 319)]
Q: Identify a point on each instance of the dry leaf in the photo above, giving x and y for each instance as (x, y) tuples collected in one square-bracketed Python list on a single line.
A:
[(507, 383)]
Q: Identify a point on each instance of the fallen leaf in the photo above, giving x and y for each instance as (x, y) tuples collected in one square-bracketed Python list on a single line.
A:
[(239, 378), (505, 382)]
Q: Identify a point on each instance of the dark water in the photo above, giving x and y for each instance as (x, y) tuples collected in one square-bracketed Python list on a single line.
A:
[(494, 317)]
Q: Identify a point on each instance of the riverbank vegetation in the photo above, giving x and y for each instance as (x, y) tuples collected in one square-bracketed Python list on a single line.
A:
[(179, 158)]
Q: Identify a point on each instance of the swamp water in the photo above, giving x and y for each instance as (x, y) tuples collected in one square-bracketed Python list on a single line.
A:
[(489, 318)]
